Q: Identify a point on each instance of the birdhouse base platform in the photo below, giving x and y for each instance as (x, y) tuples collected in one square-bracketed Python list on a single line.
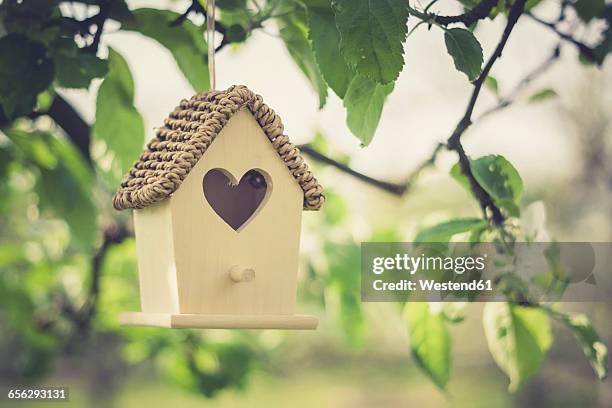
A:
[(216, 321)]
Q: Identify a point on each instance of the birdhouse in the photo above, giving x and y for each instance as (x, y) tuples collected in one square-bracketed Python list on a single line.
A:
[(218, 196)]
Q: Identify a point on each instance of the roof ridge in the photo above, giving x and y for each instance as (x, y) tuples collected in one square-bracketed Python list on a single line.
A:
[(186, 135)]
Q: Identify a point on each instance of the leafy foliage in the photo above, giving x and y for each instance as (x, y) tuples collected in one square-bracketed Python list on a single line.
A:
[(231, 4), (518, 339), (491, 83), (326, 47), (430, 341), (589, 9), (498, 177), (465, 50), (26, 70), (542, 95), (76, 68), (364, 101), (78, 71), (64, 181), (118, 123), (444, 231), (294, 33), (184, 42), (604, 47), (372, 36), (588, 339), (207, 367)]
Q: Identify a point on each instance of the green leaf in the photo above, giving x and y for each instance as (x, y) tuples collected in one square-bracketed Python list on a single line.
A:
[(444, 231), (44, 100), (326, 46), (241, 17), (586, 336), (465, 50), (469, 4), (77, 71), (589, 9), (518, 339), (604, 47), (118, 123), (456, 173), (542, 95), (364, 101), (25, 71), (64, 184), (531, 4), (476, 234), (373, 34), (454, 312), (185, 42), (430, 341), (231, 4), (509, 205), (35, 148), (236, 34), (6, 156), (491, 83), (294, 33), (120, 11), (498, 178)]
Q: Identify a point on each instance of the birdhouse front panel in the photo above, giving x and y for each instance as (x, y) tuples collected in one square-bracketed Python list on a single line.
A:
[(238, 208)]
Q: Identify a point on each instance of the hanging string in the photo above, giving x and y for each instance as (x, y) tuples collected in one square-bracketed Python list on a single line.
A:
[(210, 40)]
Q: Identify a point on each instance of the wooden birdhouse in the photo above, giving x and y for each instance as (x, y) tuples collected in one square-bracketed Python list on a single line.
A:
[(217, 198)]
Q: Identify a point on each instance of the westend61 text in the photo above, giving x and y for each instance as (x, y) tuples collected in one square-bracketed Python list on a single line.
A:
[(431, 285)]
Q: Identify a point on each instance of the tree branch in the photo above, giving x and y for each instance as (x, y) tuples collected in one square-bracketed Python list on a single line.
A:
[(454, 141), (398, 189), (98, 20), (112, 235), (393, 188), (75, 127), (81, 317), (523, 83), (585, 50), (481, 11), (197, 8), (502, 104)]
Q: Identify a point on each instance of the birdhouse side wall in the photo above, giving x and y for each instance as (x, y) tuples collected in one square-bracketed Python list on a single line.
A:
[(156, 267), (206, 247)]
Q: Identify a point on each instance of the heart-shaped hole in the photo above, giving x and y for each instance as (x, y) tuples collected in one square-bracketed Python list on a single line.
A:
[(236, 203)]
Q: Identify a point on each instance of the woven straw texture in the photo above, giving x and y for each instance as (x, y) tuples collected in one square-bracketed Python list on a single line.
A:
[(189, 131)]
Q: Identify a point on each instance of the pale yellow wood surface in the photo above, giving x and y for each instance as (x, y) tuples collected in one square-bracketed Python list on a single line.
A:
[(205, 247), (212, 321), (155, 248)]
